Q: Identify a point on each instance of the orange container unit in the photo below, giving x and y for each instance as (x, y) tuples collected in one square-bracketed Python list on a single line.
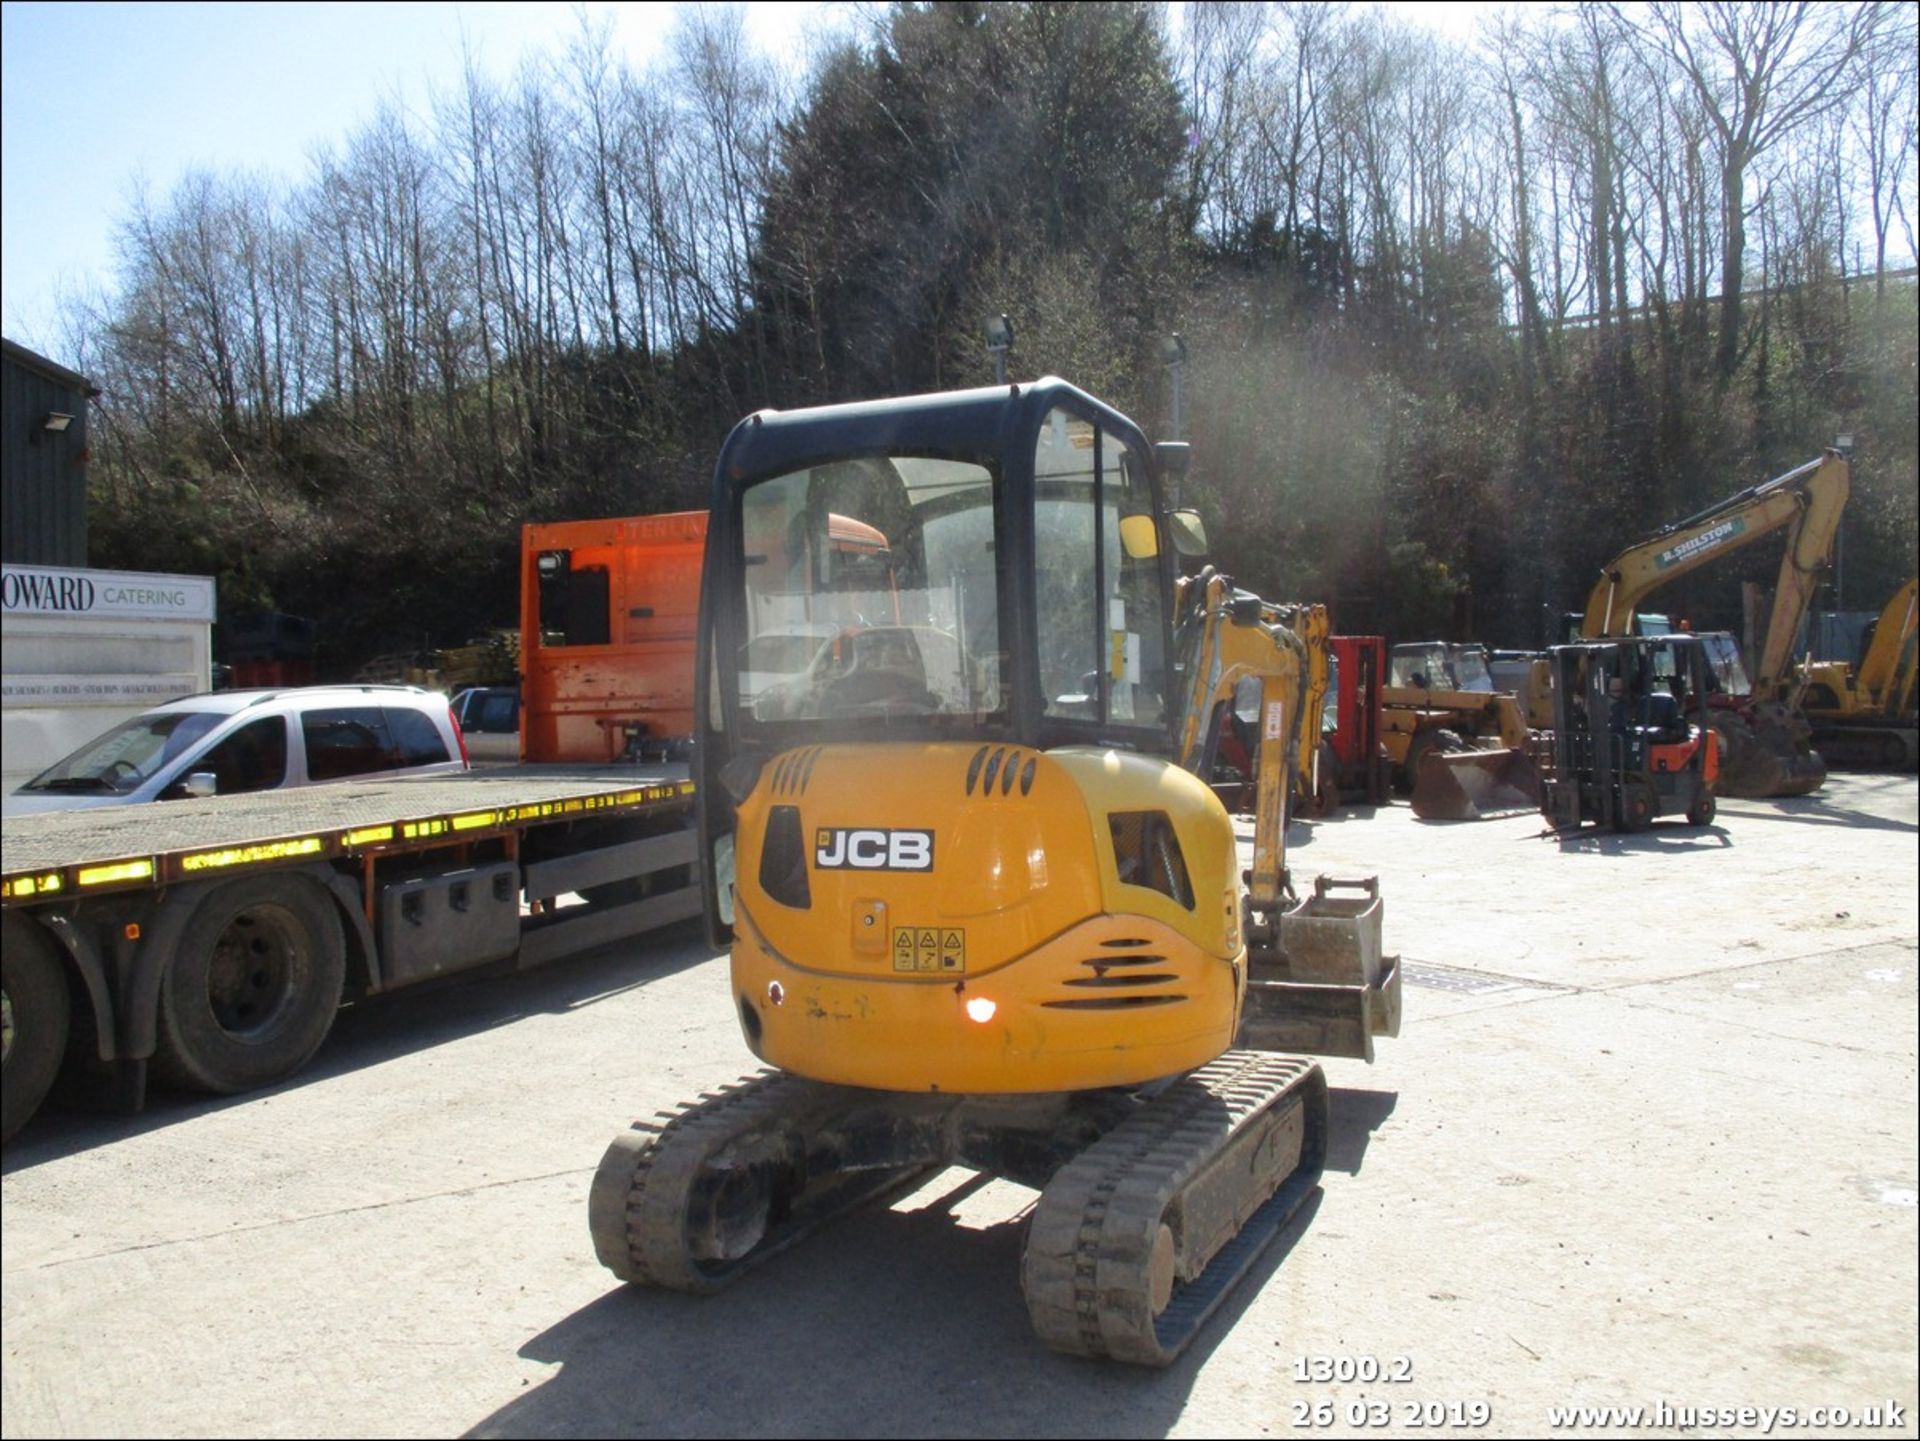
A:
[(607, 616)]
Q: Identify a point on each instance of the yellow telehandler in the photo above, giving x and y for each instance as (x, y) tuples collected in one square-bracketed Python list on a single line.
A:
[(1457, 745)]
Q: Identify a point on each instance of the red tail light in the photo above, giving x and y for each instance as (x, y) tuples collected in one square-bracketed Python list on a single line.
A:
[(461, 736)]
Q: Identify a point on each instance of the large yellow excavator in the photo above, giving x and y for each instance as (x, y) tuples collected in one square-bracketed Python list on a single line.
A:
[(1865, 714), (1768, 750), (981, 906)]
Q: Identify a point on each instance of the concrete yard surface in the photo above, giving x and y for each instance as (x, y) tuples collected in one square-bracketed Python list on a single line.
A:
[(1647, 1140)]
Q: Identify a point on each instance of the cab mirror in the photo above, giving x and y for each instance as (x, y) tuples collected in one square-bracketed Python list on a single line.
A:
[(1188, 532), (1138, 537), (194, 786)]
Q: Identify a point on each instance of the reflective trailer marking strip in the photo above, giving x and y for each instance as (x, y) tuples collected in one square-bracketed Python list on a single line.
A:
[(120, 871), (27, 885), (248, 855), (42, 885)]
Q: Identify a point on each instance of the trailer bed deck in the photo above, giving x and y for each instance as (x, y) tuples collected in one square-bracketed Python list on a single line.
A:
[(110, 847)]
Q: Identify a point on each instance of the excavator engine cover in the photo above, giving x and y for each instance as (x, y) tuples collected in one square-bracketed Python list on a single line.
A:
[(1472, 785)]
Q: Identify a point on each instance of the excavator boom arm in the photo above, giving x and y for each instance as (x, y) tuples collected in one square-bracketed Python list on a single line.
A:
[(1887, 669), (1805, 502), (1239, 637)]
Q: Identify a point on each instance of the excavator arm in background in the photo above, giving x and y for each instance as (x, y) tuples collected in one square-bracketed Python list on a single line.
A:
[(1265, 629), (1806, 503), (1231, 641), (1317, 981), (1885, 682), (1866, 716)]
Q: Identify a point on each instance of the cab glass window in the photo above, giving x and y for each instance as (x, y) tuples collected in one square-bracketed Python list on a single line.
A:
[(128, 755), (870, 591), (253, 758), (499, 712), (1099, 605), (346, 741), (575, 600), (416, 737)]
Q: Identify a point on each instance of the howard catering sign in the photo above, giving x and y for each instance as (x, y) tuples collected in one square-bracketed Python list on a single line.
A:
[(105, 594)]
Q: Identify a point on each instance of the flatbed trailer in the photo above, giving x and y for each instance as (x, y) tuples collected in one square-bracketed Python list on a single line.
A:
[(212, 941)]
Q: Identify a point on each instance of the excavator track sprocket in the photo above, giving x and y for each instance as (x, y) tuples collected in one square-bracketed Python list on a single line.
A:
[(689, 1202), (1134, 1242)]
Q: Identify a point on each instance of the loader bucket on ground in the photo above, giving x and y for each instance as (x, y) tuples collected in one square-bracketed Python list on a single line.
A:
[(1472, 785), (1329, 992)]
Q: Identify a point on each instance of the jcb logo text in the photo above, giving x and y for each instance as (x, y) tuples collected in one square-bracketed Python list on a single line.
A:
[(872, 850)]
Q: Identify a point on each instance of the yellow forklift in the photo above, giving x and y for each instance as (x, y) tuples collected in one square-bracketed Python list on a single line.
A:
[(981, 906)]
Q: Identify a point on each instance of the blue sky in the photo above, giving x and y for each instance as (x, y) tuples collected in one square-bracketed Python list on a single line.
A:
[(97, 99)]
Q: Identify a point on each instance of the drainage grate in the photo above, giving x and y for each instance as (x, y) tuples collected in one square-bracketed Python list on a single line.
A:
[(1467, 983)]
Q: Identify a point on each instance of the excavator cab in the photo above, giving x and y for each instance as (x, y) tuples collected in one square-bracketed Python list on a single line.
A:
[(981, 907)]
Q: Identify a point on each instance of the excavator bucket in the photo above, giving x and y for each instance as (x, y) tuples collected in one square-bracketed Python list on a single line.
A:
[(1473, 785), (1329, 991)]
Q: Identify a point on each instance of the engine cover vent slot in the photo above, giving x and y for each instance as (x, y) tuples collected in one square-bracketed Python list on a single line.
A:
[(1126, 965), (1146, 852), (794, 770), (1152, 978), (1005, 765), (783, 859)]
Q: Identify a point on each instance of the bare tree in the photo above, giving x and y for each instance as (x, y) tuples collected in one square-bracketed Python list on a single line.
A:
[(1758, 69)]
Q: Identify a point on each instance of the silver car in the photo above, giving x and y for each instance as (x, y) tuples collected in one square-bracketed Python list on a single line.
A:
[(228, 742)]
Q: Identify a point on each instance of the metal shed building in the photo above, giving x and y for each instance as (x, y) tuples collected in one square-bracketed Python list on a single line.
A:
[(43, 459)]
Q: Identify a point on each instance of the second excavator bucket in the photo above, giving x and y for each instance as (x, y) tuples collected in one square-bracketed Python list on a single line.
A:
[(1328, 991), (1473, 785)]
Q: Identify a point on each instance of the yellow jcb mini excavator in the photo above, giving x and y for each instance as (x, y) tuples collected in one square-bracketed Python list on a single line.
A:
[(1768, 752), (1314, 788), (981, 908)]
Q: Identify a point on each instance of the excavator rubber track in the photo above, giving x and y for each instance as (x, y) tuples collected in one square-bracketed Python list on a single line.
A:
[(1137, 1240), (692, 1201)]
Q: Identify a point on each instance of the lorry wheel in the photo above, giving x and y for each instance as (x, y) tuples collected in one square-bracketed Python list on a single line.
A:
[(253, 987), (34, 1010)]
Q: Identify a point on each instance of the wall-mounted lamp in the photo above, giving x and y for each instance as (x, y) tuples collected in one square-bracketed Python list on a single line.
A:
[(55, 421)]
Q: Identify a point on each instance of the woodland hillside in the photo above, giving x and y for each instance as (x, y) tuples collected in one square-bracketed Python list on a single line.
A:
[(1461, 318)]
